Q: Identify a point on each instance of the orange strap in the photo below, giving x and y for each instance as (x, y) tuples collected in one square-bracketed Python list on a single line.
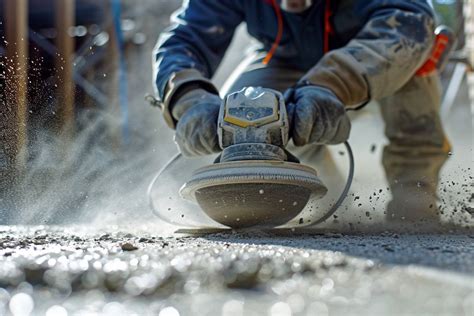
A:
[(328, 30), (270, 54), (431, 64)]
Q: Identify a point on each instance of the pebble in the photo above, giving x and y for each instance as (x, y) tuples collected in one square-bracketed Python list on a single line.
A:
[(128, 247)]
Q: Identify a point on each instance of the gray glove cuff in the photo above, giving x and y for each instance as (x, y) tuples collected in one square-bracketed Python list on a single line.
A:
[(180, 84)]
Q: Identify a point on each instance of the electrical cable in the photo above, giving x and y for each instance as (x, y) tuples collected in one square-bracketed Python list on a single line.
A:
[(345, 192), (328, 214), (174, 159)]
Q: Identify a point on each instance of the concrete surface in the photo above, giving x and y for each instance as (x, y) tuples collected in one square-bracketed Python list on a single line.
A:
[(76, 271)]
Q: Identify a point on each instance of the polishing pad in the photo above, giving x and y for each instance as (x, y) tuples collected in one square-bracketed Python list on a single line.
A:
[(244, 194)]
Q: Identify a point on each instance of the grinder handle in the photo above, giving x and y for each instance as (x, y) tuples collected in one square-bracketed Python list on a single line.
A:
[(290, 107)]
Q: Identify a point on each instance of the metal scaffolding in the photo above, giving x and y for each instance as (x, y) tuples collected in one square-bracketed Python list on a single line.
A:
[(73, 65), (13, 114)]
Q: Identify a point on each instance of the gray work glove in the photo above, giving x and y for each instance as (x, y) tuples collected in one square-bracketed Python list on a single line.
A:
[(197, 112), (316, 116)]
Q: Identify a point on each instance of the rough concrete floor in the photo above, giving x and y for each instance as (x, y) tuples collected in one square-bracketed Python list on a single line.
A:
[(74, 271)]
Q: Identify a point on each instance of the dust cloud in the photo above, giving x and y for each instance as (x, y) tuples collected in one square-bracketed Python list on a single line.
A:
[(100, 180)]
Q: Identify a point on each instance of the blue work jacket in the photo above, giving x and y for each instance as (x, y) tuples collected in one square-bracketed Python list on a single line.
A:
[(202, 30)]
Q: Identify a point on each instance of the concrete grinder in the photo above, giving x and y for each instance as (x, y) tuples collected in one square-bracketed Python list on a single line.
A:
[(255, 181)]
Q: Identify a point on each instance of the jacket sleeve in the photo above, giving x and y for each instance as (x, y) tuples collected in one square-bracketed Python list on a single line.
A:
[(394, 42), (196, 41)]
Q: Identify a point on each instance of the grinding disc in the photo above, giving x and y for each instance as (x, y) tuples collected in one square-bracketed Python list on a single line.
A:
[(253, 193)]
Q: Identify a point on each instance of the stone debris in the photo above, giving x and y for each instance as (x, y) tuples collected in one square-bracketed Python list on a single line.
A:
[(128, 247)]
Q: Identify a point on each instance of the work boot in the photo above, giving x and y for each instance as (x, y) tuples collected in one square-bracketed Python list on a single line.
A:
[(413, 203), (417, 150)]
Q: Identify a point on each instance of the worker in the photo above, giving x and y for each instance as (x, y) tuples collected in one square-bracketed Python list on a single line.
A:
[(327, 57)]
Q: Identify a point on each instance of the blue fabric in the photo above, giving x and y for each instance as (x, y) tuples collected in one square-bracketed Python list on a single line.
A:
[(202, 30)]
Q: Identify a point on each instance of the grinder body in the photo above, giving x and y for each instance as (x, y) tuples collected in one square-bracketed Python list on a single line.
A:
[(253, 125)]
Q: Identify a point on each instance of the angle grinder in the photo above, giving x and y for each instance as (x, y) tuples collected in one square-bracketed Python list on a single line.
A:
[(255, 181)]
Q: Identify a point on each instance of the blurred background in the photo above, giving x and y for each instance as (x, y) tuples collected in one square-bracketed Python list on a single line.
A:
[(79, 143)]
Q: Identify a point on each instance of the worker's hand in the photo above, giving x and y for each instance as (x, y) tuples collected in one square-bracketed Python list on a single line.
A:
[(316, 116), (197, 112)]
